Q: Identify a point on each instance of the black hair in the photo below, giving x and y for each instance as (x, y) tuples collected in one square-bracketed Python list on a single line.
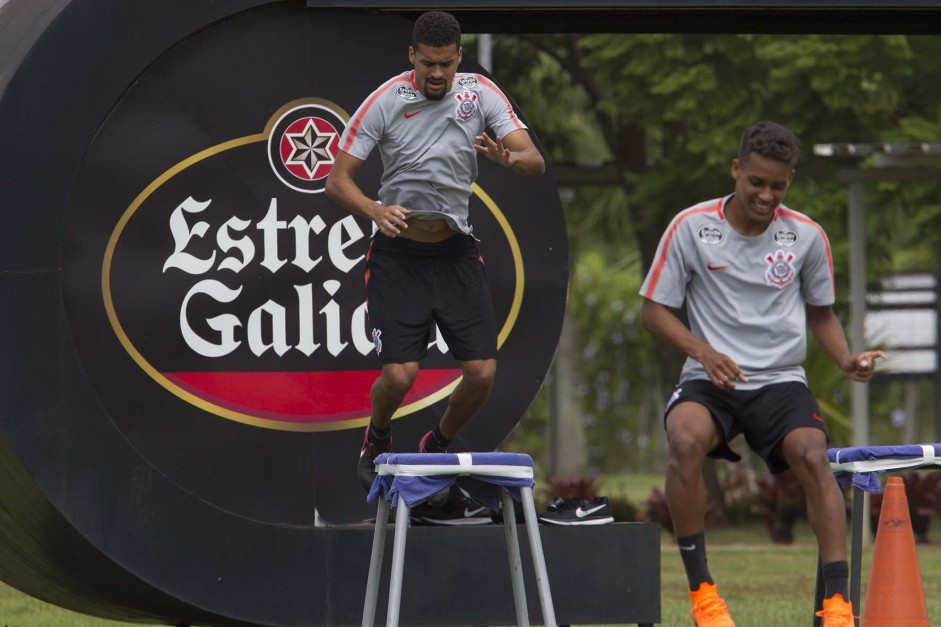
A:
[(436, 29), (771, 141)]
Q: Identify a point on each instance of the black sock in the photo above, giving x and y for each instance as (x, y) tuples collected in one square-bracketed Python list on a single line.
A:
[(836, 577), (693, 551), (379, 438), (436, 442)]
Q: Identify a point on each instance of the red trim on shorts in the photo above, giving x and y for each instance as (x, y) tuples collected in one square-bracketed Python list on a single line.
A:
[(368, 255)]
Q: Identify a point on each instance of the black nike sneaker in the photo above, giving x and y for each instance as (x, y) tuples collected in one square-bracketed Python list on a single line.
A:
[(458, 510), (366, 467), (497, 516), (578, 511)]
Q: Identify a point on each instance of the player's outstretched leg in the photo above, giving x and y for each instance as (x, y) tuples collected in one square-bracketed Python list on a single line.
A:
[(386, 395)]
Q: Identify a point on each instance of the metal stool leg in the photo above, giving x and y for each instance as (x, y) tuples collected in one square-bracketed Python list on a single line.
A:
[(398, 563), (516, 564), (375, 563), (539, 560), (856, 551)]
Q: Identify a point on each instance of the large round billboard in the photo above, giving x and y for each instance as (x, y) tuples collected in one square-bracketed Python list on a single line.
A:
[(216, 294), (185, 307)]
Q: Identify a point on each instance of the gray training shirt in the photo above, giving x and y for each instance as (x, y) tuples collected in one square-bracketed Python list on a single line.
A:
[(744, 295), (427, 146)]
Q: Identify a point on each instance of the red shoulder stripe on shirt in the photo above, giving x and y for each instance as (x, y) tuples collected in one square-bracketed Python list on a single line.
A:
[(354, 127), (794, 215), (489, 85), (661, 261)]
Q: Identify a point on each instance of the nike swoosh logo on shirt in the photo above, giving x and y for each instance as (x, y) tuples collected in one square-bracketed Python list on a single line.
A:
[(412, 114), (710, 266), (581, 513)]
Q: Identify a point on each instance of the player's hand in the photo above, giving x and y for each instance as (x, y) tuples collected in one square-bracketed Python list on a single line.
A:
[(862, 366), (391, 219), (722, 370), (493, 149)]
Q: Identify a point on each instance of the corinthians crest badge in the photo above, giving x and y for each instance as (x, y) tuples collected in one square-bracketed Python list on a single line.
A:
[(780, 268), (466, 105)]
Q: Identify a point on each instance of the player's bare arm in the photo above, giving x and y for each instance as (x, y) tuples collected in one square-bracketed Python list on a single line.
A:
[(829, 333), (515, 151), (665, 326), (342, 189)]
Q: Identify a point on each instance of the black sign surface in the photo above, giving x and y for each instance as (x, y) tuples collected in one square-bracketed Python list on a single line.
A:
[(216, 295)]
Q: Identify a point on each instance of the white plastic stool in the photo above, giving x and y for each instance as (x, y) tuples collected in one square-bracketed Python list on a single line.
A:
[(412, 478)]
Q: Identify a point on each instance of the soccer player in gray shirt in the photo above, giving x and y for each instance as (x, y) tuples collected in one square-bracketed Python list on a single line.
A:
[(423, 266), (754, 274)]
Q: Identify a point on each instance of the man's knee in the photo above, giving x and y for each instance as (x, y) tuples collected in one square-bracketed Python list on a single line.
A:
[(480, 373), (805, 449), (691, 435), (399, 378), (687, 450), (811, 460)]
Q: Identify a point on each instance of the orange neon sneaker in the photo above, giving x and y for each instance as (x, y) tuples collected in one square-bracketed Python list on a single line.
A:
[(836, 612), (709, 610)]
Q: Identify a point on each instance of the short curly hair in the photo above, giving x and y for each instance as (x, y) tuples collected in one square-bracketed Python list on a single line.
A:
[(436, 29), (771, 141)]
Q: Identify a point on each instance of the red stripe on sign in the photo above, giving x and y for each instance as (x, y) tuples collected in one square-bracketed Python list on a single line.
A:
[(301, 397)]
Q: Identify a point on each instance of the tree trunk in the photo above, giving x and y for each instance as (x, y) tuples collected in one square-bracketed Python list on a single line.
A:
[(565, 440)]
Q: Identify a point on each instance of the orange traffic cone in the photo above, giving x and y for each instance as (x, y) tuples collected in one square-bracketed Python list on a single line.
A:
[(894, 597)]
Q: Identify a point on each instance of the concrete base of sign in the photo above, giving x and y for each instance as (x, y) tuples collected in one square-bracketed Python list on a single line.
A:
[(285, 575), (604, 574)]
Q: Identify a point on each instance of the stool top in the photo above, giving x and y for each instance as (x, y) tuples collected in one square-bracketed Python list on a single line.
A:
[(858, 464), (513, 465), (417, 476)]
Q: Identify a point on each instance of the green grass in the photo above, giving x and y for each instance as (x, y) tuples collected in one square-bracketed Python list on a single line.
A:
[(773, 585), (20, 610), (635, 488), (765, 584)]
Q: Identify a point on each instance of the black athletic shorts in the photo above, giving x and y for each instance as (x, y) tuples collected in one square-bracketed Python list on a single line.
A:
[(764, 415), (411, 285)]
